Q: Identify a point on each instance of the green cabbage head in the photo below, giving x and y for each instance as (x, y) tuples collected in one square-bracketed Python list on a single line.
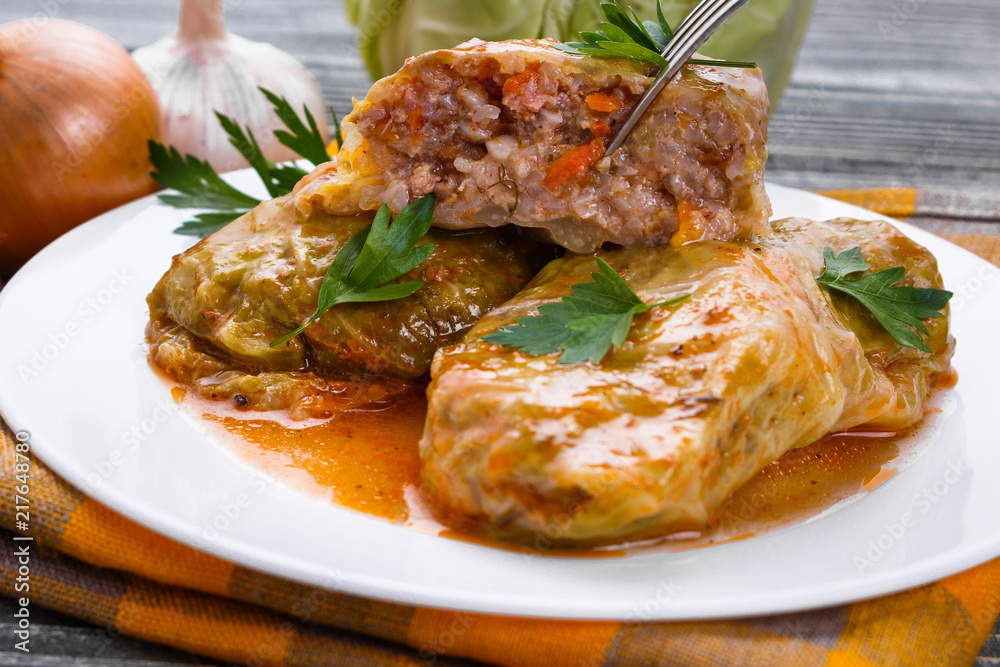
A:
[(768, 32)]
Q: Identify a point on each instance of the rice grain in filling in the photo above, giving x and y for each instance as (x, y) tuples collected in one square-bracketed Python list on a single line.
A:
[(515, 132)]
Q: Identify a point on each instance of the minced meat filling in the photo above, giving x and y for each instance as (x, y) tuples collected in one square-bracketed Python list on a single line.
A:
[(441, 122), (515, 133)]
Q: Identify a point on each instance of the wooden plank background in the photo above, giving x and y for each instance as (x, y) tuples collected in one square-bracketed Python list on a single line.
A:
[(886, 93)]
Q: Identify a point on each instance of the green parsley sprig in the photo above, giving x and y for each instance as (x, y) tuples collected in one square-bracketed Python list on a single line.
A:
[(583, 326), (376, 255), (201, 187), (198, 184), (278, 180), (898, 309), (306, 141), (623, 35)]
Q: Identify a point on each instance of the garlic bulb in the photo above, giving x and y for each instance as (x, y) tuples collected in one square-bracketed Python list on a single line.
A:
[(203, 68)]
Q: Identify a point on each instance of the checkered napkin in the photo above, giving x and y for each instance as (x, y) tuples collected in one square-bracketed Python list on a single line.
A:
[(89, 562)]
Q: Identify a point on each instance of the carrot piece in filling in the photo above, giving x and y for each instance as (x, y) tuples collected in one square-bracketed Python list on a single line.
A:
[(690, 224), (519, 82), (603, 102), (573, 163), (415, 120), (601, 129), (522, 92)]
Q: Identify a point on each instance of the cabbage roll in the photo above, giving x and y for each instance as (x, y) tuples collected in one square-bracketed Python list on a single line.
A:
[(224, 301), (515, 133), (700, 397)]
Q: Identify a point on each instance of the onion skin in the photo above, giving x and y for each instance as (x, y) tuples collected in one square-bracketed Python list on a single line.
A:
[(75, 115)]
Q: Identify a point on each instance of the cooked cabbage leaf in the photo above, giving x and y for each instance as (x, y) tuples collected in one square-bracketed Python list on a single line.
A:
[(767, 32)]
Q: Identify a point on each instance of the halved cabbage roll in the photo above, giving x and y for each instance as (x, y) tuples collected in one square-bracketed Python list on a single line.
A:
[(515, 132), (702, 395), (223, 301)]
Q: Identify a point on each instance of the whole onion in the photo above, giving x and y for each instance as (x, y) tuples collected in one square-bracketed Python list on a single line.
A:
[(75, 115)]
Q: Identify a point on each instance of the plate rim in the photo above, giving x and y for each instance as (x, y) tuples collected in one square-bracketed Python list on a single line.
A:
[(253, 557)]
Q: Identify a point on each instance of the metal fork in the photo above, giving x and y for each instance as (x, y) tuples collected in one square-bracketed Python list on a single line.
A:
[(704, 19)]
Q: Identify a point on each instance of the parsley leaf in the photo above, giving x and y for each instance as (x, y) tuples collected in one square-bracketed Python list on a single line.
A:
[(278, 180), (623, 35), (206, 224), (583, 326), (201, 187), (376, 255), (898, 309), (307, 142), (338, 135)]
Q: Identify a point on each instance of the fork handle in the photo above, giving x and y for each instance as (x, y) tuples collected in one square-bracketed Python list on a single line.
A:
[(697, 26)]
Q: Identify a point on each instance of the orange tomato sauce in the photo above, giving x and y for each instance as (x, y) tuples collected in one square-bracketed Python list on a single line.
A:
[(363, 458), (802, 484), (368, 460)]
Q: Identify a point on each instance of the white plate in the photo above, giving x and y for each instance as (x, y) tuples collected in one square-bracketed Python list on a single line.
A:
[(74, 375)]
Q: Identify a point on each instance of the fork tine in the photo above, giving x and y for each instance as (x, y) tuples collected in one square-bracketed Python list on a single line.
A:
[(697, 24), (696, 27), (697, 14), (713, 14)]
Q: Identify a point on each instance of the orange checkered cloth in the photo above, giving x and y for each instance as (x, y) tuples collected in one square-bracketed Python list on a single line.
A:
[(90, 562)]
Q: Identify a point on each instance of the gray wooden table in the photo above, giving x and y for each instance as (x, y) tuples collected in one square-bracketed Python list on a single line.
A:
[(886, 93)]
